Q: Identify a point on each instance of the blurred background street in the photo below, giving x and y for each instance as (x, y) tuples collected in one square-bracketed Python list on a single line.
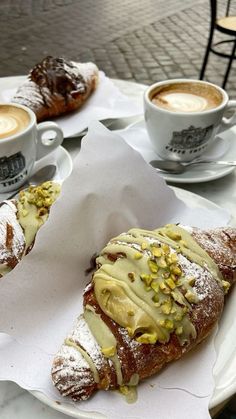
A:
[(144, 41)]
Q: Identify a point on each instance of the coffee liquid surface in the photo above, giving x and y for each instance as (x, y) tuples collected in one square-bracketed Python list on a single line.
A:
[(13, 120), (187, 97)]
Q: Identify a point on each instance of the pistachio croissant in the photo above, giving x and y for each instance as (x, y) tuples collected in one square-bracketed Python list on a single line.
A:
[(20, 220), (153, 296)]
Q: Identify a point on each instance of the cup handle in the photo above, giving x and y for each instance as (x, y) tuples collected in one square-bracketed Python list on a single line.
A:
[(47, 145), (227, 123)]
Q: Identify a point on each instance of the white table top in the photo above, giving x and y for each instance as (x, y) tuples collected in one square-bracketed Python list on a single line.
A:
[(18, 403)]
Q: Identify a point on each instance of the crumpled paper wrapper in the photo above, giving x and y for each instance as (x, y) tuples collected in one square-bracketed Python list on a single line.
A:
[(106, 102), (110, 190)]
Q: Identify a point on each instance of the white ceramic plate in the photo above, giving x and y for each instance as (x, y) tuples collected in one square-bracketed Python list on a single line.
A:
[(61, 158), (108, 103), (224, 148), (225, 367)]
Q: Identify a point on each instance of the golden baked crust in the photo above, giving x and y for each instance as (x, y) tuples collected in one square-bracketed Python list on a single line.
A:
[(146, 359), (57, 86)]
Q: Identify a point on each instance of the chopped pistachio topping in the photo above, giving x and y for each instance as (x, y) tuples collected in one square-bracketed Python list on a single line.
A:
[(124, 390), (152, 266), (108, 352), (147, 338), (191, 297), (146, 278), (156, 251), (170, 283), (226, 286), (131, 276)]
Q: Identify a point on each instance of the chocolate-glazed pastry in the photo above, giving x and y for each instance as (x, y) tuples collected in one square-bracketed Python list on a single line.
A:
[(57, 86), (153, 297)]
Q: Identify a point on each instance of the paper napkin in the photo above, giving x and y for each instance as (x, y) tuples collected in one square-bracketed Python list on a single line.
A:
[(110, 190)]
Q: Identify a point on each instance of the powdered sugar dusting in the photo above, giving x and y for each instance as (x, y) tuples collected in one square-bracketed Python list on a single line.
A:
[(12, 241), (86, 70), (29, 94), (71, 373), (83, 337), (220, 244), (202, 276)]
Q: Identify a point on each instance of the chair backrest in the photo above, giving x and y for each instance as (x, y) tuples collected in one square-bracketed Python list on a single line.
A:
[(228, 7), (214, 9)]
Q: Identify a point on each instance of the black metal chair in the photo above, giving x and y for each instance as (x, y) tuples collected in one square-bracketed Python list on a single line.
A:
[(227, 26)]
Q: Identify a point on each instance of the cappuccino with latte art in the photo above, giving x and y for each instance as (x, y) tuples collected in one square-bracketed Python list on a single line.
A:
[(187, 97), (22, 143), (183, 117), (13, 120)]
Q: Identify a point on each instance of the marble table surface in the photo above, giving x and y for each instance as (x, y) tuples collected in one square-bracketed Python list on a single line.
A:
[(18, 403)]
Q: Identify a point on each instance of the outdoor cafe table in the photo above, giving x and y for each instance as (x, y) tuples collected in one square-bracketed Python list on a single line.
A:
[(18, 403)]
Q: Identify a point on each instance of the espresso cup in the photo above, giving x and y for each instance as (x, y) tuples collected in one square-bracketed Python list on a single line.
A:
[(22, 143), (183, 117)]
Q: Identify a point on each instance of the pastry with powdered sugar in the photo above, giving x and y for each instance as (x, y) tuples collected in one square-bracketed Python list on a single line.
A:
[(57, 86), (20, 220), (154, 295)]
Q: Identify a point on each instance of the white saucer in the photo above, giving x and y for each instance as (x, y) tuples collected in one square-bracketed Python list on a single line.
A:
[(224, 148), (61, 158)]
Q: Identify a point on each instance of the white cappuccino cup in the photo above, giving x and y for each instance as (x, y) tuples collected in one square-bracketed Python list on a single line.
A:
[(22, 143), (183, 117)]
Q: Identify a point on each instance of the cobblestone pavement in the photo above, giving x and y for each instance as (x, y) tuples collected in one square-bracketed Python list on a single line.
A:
[(145, 41)]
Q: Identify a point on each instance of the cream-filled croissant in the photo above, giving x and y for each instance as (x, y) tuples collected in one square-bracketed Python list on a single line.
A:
[(20, 220), (153, 296)]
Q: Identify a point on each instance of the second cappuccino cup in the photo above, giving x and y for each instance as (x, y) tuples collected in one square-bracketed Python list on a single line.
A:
[(22, 143), (183, 117)]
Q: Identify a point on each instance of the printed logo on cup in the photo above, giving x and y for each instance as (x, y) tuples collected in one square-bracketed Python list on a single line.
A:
[(11, 167), (190, 140)]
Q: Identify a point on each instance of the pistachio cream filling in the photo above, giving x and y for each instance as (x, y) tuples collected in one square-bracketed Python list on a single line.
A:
[(33, 207), (141, 286)]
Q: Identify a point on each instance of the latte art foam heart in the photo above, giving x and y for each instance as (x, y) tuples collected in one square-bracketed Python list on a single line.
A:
[(186, 97), (186, 102), (13, 120)]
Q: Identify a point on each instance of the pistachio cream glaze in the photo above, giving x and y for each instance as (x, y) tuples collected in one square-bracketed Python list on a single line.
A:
[(33, 208), (141, 285)]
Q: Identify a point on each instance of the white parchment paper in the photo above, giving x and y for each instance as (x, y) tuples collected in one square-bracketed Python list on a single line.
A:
[(106, 102), (110, 190)]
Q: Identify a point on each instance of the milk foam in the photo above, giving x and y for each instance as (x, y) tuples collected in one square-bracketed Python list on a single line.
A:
[(13, 120), (185, 102), (187, 97)]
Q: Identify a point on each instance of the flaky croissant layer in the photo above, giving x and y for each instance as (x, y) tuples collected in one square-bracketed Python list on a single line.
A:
[(153, 296)]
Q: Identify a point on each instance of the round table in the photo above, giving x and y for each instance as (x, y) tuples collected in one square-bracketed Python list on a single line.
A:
[(15, 401)]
